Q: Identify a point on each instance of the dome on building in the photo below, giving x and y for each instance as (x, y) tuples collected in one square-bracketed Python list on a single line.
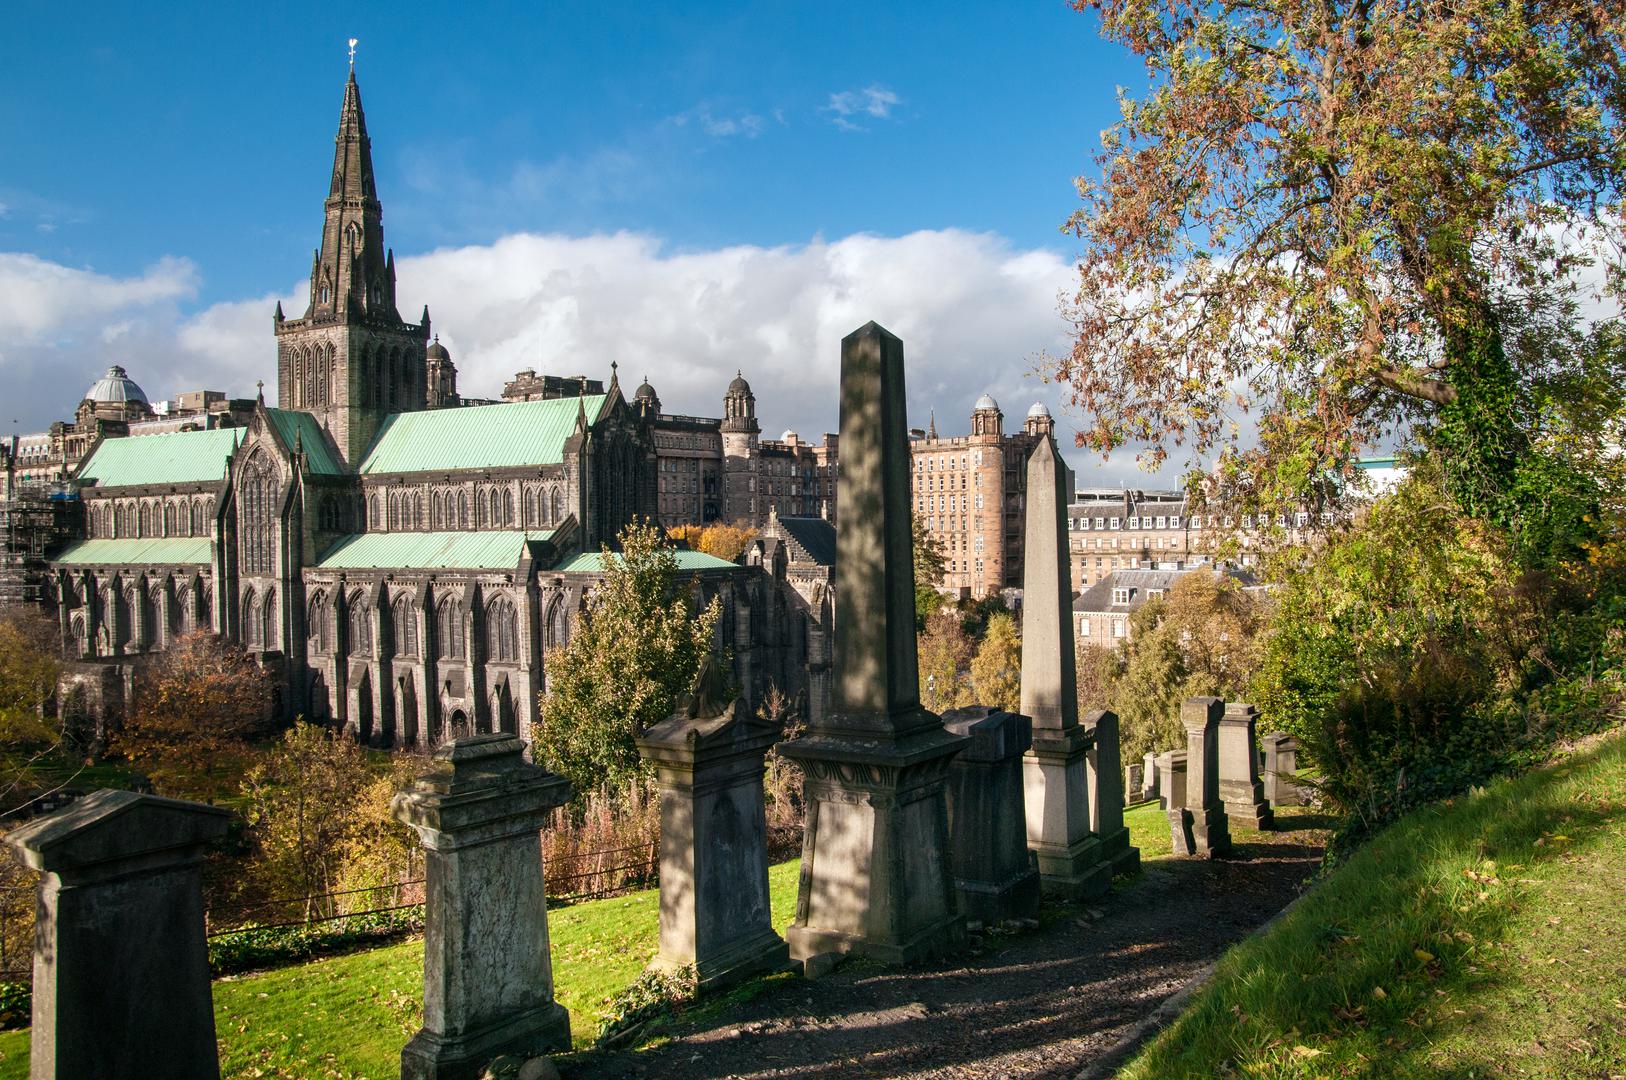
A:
[(645, 392), (789, 435), (116, 386), (986, 402), (437, 351), (1038, 409), (739, 385)]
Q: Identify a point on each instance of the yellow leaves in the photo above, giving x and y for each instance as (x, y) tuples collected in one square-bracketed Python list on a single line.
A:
[(1302, 1051), (1423, 955), (1379, 992)]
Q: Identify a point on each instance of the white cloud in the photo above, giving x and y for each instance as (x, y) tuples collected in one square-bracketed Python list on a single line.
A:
[(973, 312), (748, 124), (874, 100), (40, 300)]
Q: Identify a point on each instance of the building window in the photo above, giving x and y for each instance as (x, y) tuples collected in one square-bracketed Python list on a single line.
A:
[(449, 629), (1117, 628), (405, 624), (361, 627), (257, 517), (1083, 628), (1120, 596), (502, 630)]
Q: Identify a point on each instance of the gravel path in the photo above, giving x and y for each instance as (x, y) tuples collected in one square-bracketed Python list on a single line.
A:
[(1035, 1004)]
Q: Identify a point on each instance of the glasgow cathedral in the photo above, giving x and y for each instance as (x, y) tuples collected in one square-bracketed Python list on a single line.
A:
[(398, 557)]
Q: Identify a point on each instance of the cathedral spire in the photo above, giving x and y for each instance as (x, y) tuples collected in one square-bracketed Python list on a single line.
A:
[(353, 151), (353, 273)]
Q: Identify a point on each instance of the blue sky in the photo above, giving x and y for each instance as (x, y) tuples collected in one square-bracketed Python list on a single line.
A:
[(178, 157)]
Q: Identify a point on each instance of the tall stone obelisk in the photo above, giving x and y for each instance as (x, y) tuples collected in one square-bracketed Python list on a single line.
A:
[(875, 870), (1053, 775)]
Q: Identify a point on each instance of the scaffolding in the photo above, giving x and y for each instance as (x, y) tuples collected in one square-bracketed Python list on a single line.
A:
[(35, 517)]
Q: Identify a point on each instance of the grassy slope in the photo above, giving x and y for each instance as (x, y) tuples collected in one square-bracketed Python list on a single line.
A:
[(1485, 936), (348, 1016)]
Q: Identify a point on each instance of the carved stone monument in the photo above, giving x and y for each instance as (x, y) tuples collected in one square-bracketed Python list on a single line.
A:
[(1151, 779), (121, 967), (875, 872), (1134, 783), (995, 877), (1240, 789), (1281, 764), (1210, 833), (1107, 794), (487, 975), (714, 860), (1056, 788), (1172, 765)]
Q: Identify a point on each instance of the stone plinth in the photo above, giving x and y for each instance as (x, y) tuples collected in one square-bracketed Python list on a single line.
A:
[(1151, 780), (121, 968), (488, 978), (1210, 832), (714, 866), (1054, 778), (995, 876), (1134, 783), (1239, 786), (1106, 798), (1281, 764), (875, 874), (1172, 766)]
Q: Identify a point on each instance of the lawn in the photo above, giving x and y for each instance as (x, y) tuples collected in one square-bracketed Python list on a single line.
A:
[(1485, 936), (348, 1016)]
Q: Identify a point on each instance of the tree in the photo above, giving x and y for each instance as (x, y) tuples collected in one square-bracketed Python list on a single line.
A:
[(636, 648), (194, 716), (723, 540), (1345, 218), (28, 675), (996, 670), (930, 564), (945, 651)]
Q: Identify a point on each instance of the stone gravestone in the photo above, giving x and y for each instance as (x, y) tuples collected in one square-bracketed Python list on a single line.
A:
[(1172, 765), (1134, 783), (121, 966), (1240, 789), (1106, 793), (995, 876), (1151, 778), (714, 859), (1281, 763), (875, 873), (1055, 786), (1210, 833), (487, 975)]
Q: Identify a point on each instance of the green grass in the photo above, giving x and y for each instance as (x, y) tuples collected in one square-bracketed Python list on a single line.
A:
[(1485, 936), (349, 1016), (1148, 825)]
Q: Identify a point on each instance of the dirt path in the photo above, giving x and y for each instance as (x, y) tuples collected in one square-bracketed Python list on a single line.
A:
[(1039, 1004)]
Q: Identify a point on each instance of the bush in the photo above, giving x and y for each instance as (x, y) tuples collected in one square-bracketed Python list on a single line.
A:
[(254, 947)]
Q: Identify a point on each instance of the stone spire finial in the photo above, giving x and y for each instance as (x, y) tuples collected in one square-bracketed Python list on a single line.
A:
[(931, 427), (259, 391)]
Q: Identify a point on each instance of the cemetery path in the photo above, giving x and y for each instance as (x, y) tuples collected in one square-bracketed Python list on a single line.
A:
[(1037, 1004)]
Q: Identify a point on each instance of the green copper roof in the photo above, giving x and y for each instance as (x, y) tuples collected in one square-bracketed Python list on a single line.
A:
[(176, 457), (301, 427), (515, 434), (169, 551), (592, 562), (430, 550)]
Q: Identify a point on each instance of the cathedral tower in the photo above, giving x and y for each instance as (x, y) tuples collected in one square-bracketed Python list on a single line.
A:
[(351, 360)]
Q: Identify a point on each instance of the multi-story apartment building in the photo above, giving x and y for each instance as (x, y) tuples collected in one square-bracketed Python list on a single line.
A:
[(968, 492)]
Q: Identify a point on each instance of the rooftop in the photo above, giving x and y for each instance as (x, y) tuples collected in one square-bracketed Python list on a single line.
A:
[(430, 550), (178, 457), (510, 435)]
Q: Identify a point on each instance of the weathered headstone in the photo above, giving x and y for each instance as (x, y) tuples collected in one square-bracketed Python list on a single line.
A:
[(1240, 789), (1281, 764), (1056, 787), (995, 877), (1201, 718), (121, 965), (1106, 797), (714, 857), (875, 873), (487, 975), (1134, 783), (1172, 765), (1152, 778)]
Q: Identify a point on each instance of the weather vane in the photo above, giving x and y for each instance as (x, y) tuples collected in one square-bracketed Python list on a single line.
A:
[(352, 54)]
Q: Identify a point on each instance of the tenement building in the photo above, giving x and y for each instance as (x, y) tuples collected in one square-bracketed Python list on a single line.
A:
[(968, 494), (399, 558)]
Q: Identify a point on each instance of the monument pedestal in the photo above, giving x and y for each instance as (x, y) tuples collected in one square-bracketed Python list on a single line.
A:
[(995, 876), (1070, 856), (1240, 788), (875, 879)]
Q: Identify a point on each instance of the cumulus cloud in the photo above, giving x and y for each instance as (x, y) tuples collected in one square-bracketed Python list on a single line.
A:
[(874, 100), (973, 312)]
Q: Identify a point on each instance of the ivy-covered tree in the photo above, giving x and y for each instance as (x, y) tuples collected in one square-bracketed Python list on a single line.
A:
[(1340, 220), (930, 564), (634, 650)]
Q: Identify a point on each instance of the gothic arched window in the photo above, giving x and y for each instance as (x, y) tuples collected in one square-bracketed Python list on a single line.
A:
[(405, 619), (556, 507), (199, 527), (502, 631), (462, 510), (507, 506), (449, 629), (316, 623), (361, 626), (257, 518), (252, 628), (530, 507), (268, 630)]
